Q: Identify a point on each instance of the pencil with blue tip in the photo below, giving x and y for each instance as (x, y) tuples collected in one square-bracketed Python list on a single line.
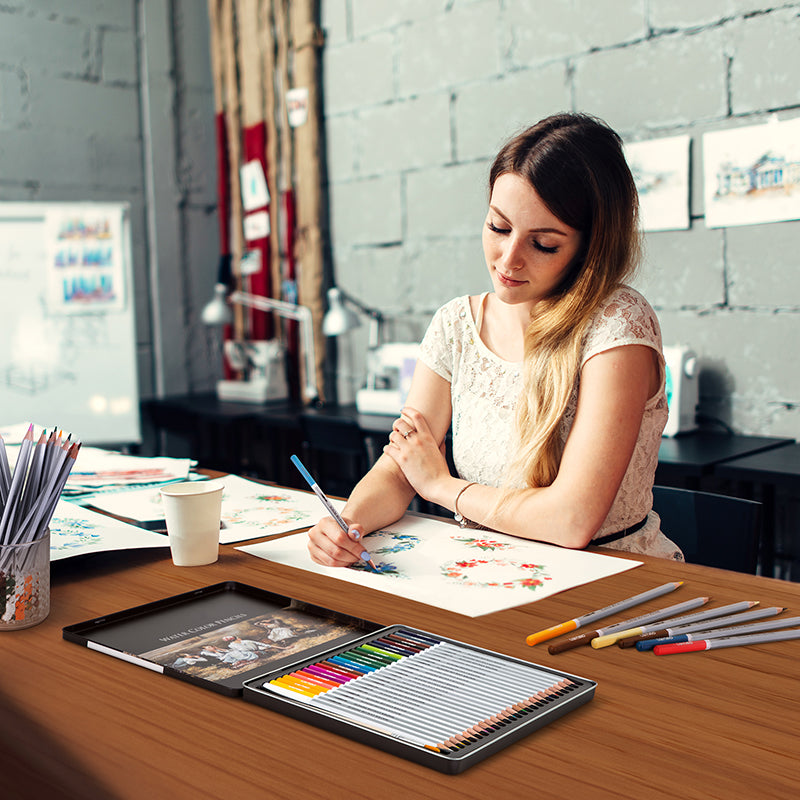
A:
[(733, 641), (644, 642), (329, 507), (722, 633), (709, 613)]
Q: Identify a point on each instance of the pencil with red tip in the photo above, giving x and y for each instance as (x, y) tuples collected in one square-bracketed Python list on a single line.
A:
[(725, 633), (648, 640), (733, 641)]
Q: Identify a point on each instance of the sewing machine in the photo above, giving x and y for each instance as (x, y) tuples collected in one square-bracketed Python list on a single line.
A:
[(682, 389), (390, 368), (263, 364)]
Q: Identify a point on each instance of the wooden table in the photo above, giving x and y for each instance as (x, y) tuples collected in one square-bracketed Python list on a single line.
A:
[(78, 724)]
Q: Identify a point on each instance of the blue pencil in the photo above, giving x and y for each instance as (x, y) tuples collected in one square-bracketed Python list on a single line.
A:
[(327, 503)]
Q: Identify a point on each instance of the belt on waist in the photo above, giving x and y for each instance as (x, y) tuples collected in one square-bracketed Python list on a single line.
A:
[(612, 537)]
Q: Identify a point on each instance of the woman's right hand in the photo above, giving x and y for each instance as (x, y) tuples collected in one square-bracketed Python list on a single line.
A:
[(330, 546)]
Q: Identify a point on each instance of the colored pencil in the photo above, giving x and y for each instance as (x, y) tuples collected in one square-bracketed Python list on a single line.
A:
[(327, 503), (437, 697), (5, 473), (16, 488), (734, 641), (594, 616), (719, 622), (659, 615), (39, 476), (32, 484), (710, 613), (722, 633)]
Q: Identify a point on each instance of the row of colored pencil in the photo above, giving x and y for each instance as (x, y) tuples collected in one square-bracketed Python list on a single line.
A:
[(29, 494), (665, 633)]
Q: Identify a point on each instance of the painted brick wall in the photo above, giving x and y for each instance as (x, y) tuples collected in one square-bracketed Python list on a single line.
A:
[(112, 101), (419, 96)]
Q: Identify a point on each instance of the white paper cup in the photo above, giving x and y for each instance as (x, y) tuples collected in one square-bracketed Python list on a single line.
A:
[(193, 511)]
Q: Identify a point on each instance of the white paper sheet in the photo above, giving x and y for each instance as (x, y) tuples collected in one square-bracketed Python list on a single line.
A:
[(462, 570), (75, 530), (250, 510)]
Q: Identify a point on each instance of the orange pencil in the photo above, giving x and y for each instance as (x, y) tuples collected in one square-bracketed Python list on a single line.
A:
[(587, 619)]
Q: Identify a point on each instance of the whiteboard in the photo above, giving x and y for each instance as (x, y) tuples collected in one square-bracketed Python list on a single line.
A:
[(67, 325)]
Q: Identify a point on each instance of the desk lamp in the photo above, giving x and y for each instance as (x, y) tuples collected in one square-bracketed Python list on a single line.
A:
[(340, 319), (263, 363), (389, 366)]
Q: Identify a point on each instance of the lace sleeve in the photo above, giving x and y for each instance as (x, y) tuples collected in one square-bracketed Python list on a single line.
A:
[(436, 350), (626, 318)]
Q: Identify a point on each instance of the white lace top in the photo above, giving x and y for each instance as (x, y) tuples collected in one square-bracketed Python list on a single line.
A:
[(484, 392)]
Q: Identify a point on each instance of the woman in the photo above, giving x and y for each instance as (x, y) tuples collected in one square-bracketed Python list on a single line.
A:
[(553, 383)]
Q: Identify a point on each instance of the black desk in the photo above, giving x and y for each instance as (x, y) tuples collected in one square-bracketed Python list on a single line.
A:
[(243, 438), (761, 475), (237, 437), (340, 444), (683, 460)]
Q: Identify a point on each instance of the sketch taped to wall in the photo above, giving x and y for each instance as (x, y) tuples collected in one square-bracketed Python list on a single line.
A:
[(660, 168), (752, 174)]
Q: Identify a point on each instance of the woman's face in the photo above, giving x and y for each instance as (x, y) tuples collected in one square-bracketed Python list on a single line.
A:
[(528, 250)]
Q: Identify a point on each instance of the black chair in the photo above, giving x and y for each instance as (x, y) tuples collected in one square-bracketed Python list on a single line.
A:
[(336, 451), (712, 529)]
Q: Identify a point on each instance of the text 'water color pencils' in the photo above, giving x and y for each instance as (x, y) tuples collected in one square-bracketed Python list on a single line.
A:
[(327, 503), (733, 641), (660, 615), (593, 616), (721, 633)]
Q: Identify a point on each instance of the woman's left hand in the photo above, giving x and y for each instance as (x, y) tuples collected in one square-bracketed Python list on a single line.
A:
[(413, 448)]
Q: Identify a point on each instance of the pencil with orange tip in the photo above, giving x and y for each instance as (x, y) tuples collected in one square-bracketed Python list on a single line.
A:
[(643, 619), (588, 619)]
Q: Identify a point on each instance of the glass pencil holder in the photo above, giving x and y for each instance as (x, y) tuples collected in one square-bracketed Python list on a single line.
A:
[(25, 583)]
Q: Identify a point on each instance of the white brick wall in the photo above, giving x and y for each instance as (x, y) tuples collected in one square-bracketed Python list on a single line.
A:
[(71, 129), (431, 89)]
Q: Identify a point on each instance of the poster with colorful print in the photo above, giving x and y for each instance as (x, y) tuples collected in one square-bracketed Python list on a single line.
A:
[(250, 510), (467, 571), (86, 267)]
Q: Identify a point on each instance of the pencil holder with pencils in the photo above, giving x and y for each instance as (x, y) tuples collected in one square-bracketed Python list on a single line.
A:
[(28, 498), (24, 583)]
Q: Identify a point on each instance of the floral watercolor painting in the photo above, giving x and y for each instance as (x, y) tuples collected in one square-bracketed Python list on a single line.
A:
[(250, 510), (75, 530), (436, 562)]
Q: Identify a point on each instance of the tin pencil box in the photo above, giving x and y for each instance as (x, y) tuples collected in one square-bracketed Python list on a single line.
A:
[(436, 701), (220, 635)]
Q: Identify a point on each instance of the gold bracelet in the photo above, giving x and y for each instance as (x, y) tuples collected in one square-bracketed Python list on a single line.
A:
[(457, 515)]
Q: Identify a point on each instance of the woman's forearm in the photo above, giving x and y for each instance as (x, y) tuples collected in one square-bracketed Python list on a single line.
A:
[(381, 497)]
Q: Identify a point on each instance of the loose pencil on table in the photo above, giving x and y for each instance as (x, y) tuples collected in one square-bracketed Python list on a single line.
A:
[(593, 616)]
